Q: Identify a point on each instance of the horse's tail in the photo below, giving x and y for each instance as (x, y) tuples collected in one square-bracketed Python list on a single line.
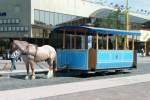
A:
[(55, 63)]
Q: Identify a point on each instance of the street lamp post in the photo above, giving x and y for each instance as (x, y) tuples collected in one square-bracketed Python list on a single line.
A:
[(127, 16), (126, 45)]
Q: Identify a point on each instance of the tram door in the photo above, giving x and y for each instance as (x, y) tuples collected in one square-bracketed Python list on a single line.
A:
[(92, 59), (92, 55), (135, 59)]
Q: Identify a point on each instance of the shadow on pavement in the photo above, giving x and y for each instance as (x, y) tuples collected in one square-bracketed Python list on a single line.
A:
[(42, 75), (87, 75), (18, 76)]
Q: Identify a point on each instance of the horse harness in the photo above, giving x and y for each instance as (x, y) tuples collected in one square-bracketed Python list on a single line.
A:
[(27, 47)]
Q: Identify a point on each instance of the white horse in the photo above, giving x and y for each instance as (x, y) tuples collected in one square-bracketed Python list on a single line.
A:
[(32, 54)]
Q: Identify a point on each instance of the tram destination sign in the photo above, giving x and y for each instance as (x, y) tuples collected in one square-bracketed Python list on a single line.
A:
[(3, 13)]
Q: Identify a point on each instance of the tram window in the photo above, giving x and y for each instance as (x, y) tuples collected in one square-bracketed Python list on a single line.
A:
[(120, 43), (100, 43), (78, 42), (104, 41), (67, 42), (110, 44)]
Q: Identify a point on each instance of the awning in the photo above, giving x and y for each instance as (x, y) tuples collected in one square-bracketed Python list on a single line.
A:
[(93, 30)]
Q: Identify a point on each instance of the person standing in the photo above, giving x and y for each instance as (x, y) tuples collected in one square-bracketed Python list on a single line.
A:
[(142, 52), (13, 57)]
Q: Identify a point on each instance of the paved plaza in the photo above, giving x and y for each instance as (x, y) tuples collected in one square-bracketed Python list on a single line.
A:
[(132, 85)]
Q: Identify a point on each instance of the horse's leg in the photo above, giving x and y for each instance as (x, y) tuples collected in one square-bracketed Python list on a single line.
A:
[(32, 64), (50, 71), (54, 66), (27, 68)]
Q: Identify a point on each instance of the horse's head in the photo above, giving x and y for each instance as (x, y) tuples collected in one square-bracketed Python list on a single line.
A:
[(21, 45), (13, 46)]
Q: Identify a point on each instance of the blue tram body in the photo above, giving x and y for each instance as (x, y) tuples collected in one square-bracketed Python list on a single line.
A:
[(111, 59), (95, 59), (114, 59), (72, 59)]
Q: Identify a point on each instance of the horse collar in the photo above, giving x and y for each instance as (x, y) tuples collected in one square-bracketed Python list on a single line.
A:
[(27, 47), (35, 52)]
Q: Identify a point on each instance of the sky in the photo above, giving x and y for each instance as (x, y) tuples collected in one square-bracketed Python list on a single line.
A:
[(134, 4)]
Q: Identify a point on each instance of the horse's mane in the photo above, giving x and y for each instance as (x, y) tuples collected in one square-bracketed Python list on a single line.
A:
[(21, 45)]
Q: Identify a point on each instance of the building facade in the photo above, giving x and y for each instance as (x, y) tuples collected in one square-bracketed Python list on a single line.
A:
[(144, 41), (14, 18), (34, 19)]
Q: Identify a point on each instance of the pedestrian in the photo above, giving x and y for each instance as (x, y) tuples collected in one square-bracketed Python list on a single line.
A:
[(14, 55), (142, 52)]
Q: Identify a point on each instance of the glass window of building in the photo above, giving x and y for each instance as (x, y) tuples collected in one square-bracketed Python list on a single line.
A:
[(1, 29), (1, 22), (36, 16), (26, 28), (4, 21), (9, 28), (69, 17), (5, 28), (60, 17), (56, 19), (42, 17), (52, 17), (17, 28), (22, 28), (17, 21), (13, 28), (65, 18), (47, 18)]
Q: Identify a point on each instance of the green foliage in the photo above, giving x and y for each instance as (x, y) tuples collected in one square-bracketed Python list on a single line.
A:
[(115, 19)]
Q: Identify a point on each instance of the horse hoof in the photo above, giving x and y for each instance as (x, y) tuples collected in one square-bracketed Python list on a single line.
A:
[(27, 78), (33, 77), (49, 77)]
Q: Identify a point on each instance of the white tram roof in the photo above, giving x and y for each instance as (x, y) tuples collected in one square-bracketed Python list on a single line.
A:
[(93, 30)]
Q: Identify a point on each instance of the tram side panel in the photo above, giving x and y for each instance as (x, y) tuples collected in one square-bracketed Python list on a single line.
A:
[(72, 59), (114, 59)]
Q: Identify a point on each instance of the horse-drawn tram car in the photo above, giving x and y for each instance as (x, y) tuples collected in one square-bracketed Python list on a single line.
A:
[(92, 49)]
